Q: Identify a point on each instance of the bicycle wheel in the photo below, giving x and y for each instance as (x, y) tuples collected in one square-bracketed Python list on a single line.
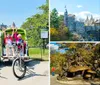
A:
[(19, 68)]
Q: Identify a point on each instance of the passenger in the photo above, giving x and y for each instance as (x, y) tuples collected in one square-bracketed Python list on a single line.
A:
[(18, 39), (20, 44), (8, 43), (15, 33)]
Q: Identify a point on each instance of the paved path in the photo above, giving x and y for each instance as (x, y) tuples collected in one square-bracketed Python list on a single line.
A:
[(75, 82), (54, 82), (37, 74)]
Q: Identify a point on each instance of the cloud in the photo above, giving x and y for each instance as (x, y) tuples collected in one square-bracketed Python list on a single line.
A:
[(84, 14), (60, 13), (79, 6)]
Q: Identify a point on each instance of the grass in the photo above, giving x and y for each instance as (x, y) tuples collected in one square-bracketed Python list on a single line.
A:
[(35, 53)]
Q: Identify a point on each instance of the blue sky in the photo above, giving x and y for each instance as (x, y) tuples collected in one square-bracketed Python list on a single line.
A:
[(77, 7), (18, 10)]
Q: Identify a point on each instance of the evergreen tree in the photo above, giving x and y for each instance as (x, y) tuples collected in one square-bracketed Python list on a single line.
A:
[(54, 20)]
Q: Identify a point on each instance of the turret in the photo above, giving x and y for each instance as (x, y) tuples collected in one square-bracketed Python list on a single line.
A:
[(87, 21), (66, 17), (13, 25), (91, 20)]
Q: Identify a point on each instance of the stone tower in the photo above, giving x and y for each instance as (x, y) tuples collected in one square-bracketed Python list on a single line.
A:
[(13, 25), (66, 17), (87, 21), (91, 21)]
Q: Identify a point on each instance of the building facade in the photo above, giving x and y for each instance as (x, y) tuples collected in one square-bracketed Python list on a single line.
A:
[(88, 29), (2, 26)]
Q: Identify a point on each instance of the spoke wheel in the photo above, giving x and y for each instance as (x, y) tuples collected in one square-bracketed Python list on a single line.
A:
[(19, 68)]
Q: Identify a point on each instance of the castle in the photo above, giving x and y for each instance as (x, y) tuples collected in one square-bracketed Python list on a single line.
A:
[(3, 26), (88, 29)]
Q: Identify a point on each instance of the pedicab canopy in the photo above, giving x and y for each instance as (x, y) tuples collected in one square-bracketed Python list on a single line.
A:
[(19, 31)]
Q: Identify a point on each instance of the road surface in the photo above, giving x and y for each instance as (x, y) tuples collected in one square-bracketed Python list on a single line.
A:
[(37, 74)]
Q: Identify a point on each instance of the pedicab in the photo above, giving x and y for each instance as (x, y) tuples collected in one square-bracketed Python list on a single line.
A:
[(18, 65)]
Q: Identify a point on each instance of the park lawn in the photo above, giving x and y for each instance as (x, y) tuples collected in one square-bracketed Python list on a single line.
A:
[(35, 53)]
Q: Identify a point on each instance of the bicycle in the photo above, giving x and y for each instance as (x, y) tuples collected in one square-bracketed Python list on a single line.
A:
[(18, 65)]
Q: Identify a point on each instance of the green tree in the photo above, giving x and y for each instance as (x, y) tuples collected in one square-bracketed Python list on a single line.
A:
[(35, 23), (61, 19), (64, 33), (54, 20), (57, 22)]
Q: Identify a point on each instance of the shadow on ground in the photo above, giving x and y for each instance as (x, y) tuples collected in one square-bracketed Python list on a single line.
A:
[(30, 68), (1, 67)]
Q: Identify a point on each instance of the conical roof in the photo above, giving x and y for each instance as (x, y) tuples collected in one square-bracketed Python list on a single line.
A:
[(66, 9), (13, 25)]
